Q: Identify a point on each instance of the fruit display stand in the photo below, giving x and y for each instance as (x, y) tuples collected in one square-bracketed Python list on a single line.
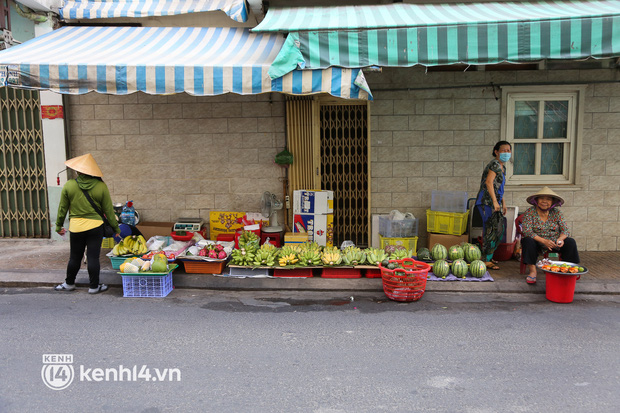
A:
[(341, 272), (197, 266), (242, 271), (559, 284), (117, 261), (370, 271), (148, 284), (302, 272)]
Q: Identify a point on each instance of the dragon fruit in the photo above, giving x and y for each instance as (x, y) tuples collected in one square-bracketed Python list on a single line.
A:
[(212, 254), (202, 252), (221, 255)]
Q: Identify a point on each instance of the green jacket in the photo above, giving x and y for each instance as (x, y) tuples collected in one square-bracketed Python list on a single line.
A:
[(72, 199)]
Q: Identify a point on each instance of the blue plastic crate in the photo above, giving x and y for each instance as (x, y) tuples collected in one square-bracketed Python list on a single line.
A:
[(147, 285)]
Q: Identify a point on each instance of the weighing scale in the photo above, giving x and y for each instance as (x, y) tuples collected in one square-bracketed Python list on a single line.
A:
[(188, 224)]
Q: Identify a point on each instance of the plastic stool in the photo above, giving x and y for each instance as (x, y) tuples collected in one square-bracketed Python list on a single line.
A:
[(274, 238)]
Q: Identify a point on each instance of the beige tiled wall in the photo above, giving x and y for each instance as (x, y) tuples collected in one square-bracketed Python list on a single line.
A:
[(181, 155), (436, 130)]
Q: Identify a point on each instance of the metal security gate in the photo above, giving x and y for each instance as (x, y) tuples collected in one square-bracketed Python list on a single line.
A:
[(23, 186), (344, 150)]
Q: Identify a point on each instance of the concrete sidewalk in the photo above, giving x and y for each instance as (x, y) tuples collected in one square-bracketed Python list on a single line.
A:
[(41, 263)]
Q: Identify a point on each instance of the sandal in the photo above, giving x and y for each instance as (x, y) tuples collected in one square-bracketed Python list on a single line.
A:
[(530, 280), (64, 287), (100, 288), (494, 261), (491, 266)]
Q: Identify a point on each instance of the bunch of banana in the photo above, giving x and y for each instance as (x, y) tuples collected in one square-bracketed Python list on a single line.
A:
[(243, 256), (310, 257), (120, 249), (265, 257), (353, 256), (401, 253), (290, 259), (375, 255), (268, 246), (331, 256), (247, 238)]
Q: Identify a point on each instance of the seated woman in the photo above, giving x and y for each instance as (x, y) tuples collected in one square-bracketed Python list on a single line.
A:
[(544, 228)]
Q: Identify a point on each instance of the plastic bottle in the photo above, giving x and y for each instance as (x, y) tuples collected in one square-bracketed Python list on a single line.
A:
[(128, 216)]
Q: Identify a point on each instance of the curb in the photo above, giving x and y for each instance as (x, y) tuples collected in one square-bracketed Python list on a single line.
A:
[(29, 279)]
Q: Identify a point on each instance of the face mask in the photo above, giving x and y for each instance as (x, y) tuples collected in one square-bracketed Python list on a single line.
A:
[(504, 156)]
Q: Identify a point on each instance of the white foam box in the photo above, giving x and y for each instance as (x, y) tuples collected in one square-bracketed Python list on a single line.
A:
[(319, 227), (313, 202), (512, 212)]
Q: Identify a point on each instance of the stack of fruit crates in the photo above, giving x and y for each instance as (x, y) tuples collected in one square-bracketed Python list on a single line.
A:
[(448, 213), (403, 232)]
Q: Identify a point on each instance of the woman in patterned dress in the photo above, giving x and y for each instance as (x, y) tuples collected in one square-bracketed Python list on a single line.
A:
[(544, 228), (490, 202)]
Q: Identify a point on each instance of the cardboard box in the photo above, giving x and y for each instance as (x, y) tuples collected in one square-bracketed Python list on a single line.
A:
[(446, 240), (224, 222), (295, 238), (150, 229), (313, 202), (320, 227)]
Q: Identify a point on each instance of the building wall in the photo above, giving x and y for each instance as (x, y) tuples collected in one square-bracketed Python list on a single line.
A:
[(185, 156), (179, 155), (436, 130)]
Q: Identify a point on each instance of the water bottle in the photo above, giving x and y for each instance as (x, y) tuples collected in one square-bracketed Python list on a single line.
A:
[(128, 216)]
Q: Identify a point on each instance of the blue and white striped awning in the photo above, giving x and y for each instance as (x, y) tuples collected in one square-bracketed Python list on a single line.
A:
[(105, 9), (164, 60)]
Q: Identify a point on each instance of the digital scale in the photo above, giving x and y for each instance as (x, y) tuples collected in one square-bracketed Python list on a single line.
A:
[(188, 224)]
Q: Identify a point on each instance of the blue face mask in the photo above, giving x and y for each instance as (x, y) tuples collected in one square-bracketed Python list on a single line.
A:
[(504, 156)]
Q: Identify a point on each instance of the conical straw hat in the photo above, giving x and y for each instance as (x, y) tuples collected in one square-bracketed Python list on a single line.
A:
[(546, 191), (85, 164)]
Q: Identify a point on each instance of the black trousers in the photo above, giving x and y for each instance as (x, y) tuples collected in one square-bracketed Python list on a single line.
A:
[(91, 242), (531, 249)]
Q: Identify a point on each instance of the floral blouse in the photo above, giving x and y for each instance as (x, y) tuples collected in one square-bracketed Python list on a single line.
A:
[(532, 225), (484, 198)]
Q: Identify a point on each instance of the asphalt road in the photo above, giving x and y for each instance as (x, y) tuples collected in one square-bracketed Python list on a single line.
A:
[(214, 351)]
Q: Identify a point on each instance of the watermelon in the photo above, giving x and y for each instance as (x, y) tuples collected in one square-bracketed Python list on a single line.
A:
[(424, 254), (464, 245), (441, 268), (472, 253), (439, 252), (459, 268), (455, 252), (477, 268)]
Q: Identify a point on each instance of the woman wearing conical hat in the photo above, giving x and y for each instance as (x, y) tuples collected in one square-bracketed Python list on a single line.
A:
[(85, 223), (544, 228)]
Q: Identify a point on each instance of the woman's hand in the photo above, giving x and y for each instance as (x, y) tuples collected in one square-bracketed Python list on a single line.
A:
[(496, 206), (548, 244), (61, 232), (504, 209)]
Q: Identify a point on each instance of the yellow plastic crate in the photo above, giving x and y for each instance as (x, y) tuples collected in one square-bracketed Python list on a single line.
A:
[(452, 223), (409, 243), (108, 243)]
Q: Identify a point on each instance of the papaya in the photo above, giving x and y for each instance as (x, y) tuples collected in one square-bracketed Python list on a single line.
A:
[(160, 263)]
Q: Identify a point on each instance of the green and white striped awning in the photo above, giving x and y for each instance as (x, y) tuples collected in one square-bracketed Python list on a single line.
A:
[(475, 33)]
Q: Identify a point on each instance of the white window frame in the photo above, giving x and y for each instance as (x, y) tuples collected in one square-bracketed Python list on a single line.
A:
[(575, 95)]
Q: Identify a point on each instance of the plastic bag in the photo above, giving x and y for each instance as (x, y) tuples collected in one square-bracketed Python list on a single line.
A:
[(284, 158)]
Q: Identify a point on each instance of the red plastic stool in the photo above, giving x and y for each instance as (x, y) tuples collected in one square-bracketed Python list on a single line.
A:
[(275, 238)]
